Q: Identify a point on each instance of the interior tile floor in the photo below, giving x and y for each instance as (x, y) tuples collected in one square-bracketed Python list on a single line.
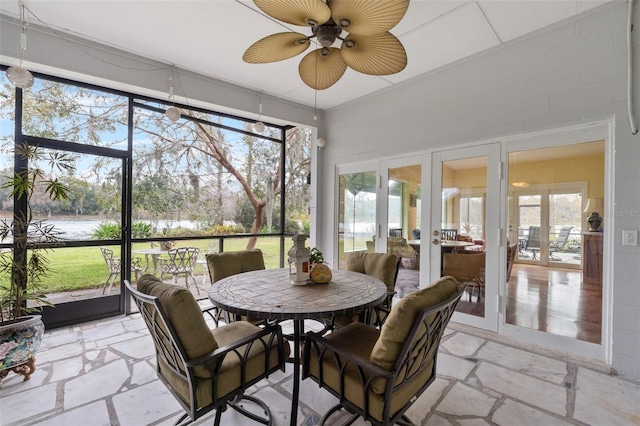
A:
[(102, 373)]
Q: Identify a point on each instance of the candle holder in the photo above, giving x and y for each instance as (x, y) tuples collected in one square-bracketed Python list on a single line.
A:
[(299, 261)]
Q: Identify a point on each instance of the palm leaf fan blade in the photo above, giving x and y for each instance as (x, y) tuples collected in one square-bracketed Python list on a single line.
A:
[(381, 54), (368, 17), (321, 71), (276, 47), (296, 12)]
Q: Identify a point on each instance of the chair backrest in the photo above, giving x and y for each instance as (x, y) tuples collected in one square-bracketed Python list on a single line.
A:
[(464, 265), (382, 266), (113, 264), (410, 337), (563, 237), (181, 260), (416, 234), (533, 241), (176, 324), (225, 264), (449, 234)]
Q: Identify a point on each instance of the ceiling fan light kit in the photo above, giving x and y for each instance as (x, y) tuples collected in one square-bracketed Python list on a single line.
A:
[(369, 47)]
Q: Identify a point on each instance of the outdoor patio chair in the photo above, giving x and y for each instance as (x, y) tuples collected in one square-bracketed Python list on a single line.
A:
[(228, 263), (379, 265), (180, 261), (113, 265), (560, 242), (378, 373), (533, 242), (206, 369)]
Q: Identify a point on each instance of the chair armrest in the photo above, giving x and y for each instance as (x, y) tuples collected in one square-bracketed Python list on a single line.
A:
[(273, 330), (360, 362)]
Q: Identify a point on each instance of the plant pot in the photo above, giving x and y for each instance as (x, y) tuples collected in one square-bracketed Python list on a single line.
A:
[(19, 342)]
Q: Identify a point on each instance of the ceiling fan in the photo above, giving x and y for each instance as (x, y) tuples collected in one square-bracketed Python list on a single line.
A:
[(368, 47)]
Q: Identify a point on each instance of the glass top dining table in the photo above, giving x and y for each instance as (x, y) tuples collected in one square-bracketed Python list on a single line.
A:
[(269, 294)]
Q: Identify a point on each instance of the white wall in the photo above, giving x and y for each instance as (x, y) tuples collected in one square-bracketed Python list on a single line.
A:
[(567, 74)]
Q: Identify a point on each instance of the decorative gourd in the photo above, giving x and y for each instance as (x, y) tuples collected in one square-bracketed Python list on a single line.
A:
[(321, 273)]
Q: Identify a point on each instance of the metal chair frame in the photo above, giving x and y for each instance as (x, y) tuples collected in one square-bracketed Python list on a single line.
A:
[(180, 260), (170, 349), (114, 267), (419, 350)]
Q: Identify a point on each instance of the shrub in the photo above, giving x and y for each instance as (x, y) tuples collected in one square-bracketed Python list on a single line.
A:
[(107, 231), (225, 230), (141, 230)]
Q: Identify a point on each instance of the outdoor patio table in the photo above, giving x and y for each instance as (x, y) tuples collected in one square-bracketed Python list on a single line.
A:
[(154, 253), (269, 294)]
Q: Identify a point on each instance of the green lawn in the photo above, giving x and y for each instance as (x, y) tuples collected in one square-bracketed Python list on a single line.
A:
[(84, 267)]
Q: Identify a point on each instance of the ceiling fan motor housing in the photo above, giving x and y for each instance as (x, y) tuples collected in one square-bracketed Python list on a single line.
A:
[(327, 33)]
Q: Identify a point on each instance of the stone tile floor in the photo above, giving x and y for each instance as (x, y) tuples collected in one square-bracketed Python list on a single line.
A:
[(102, 373)]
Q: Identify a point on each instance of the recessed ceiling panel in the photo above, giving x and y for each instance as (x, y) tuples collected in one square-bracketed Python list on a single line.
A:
[(454, 36), (511, 19)]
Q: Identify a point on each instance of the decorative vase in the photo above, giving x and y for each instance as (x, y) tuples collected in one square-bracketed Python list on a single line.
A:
[(594, 222), (166, 245), (19, 342), (320, 273)]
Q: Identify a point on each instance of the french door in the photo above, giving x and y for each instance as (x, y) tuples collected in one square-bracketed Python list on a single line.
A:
[(465, 229)]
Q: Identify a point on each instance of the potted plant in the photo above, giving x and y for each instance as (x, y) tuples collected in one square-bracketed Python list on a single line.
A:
[(315, 256), (23, 268)]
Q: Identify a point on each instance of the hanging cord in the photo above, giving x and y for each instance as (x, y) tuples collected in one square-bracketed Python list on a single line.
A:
[(634, 129)]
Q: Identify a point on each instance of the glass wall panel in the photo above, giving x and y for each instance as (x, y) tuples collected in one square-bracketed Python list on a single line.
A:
[(192, 177), (75, 114)]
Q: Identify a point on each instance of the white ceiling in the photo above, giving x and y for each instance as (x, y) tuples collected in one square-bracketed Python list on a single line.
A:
[(210, 36)]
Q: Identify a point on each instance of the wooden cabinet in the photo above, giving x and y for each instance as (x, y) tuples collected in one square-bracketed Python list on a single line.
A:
[(592, 258)]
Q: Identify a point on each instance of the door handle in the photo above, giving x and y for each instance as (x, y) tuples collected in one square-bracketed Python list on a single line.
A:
[(435, 241)]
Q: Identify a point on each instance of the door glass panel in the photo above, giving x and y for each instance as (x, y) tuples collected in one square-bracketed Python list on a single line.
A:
[(565, 215), (357, 214), (404, 215), (552, 286), (461, 234), (92, 212)]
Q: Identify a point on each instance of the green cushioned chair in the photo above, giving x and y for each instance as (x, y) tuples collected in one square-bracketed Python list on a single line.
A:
[(223, 265), (378, 374), (382, 266), (206, 369), (228, 263)]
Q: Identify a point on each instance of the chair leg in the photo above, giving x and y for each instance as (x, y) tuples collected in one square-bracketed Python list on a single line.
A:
[(110, 280), (268, 420), (195, 283), (335, 409)]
